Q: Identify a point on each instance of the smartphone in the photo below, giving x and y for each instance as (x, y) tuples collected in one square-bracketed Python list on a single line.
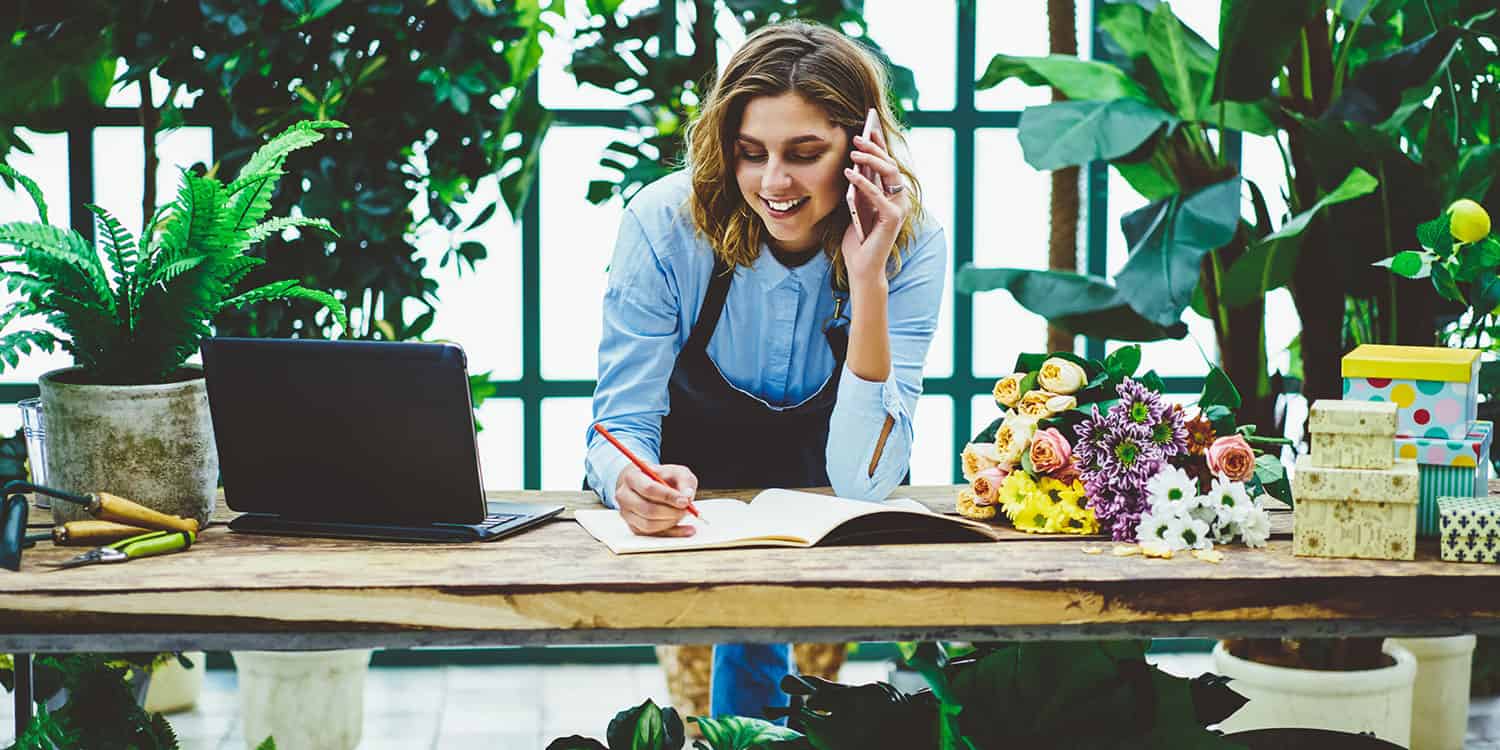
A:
[(861, 210)]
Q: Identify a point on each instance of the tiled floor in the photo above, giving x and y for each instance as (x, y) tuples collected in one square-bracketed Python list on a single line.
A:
[(525, 707)]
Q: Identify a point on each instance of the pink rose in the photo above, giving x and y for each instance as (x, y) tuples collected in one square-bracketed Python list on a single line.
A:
[(1231, 457), (986, 485), (1050, 451), (1068, 474)]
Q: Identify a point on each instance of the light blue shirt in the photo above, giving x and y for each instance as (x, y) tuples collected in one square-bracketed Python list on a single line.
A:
[(769, 342)]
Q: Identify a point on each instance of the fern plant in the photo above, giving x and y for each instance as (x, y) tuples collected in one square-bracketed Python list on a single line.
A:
[(137, 321)]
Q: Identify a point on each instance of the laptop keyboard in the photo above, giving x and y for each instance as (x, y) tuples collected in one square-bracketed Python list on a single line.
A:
[(495, 519)]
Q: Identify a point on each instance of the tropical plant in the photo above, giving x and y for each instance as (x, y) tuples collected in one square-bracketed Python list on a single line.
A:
[(1462, 259), (137, 322), (1153, 110), (988, 697), (625, 54), (102, 707), (462, 71)]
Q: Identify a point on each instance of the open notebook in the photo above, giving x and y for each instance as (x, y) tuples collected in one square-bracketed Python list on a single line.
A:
[(787, 518)]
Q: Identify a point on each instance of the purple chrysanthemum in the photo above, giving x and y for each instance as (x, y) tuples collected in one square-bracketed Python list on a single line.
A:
[(1169, 434), (1138, 404)]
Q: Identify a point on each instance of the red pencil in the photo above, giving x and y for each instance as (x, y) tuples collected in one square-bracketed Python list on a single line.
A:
[(641, 464)]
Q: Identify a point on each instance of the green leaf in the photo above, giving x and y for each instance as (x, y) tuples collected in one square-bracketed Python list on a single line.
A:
[(269, 744), (741, 733), (1410, 264), (1126, 24), (1436, 236), (1168, 241), (604, 7), (1479, 259), (645, 727), (1076, 79), (1123, 362), (1357, 183), (1152, 380), (1148, 178), (1183, 61), (1487, 293), (1443, 282), (1077, 132), (1256, 39), (31, 189), (1263, 267), (1271, 475), (1218, 390), (1081, 304)]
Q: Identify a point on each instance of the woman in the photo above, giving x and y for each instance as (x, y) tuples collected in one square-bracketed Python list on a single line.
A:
[(752, 337)]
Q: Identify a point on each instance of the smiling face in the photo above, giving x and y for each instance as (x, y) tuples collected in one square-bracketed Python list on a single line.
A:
[(788, 162)]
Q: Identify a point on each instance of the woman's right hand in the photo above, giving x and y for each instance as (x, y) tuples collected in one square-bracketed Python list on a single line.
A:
[(652, 509)]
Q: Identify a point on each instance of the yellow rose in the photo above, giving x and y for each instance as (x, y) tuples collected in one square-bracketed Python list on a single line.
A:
[(977, 457), (1061, 376), (968, 508), (1013, 437), (1043, 404), (1008, 389)]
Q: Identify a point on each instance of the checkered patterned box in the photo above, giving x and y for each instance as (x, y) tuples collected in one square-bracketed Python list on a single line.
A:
[(1436, 388), (1471, 529), (1368, 513), (1455, 468)]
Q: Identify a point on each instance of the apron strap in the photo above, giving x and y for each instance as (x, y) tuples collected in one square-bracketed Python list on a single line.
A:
[(713, 306)]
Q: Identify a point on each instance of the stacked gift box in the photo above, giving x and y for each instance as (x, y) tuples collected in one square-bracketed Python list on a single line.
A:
[(1354, 498), (1436, 393)]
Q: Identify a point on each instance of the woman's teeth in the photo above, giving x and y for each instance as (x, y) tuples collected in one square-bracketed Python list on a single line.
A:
[(784, 207)]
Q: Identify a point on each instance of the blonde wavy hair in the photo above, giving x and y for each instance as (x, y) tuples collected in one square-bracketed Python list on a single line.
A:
[(842, 78)]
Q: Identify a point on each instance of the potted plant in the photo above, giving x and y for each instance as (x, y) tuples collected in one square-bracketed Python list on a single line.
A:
[(131, 417)]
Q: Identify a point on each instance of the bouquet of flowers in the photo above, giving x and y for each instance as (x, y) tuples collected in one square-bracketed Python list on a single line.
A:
[(1085, 446)]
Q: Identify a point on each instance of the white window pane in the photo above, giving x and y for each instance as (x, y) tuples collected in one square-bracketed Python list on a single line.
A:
[(10, 420), (565, 422), (501, 445), (119, 161), (479, 308), (1200, 17), (983, 409), (1282, 326), (932, 447), (47, 165), (557, 88), (577, 240), (1260, 162), (1018, 29), (932, 160), (1010, 230), (177, 150), (920, 41), (128, 96)]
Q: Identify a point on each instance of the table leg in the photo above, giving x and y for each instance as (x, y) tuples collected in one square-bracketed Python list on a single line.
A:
[(24, 698)]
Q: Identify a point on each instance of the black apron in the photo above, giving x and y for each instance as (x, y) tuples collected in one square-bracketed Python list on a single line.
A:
[(732, 440)]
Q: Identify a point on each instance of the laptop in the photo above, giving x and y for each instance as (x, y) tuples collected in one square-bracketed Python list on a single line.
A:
[(360, 439)]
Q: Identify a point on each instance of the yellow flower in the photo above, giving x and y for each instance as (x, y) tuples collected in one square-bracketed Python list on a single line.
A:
[(969, 508), (1013, 437), (1008, 389), (1467, 221), (1014, 491), (1061, 376), (1043, 404)]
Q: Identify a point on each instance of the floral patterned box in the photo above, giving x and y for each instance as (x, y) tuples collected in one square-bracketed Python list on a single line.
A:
[(1436, 388), (1352, 434), (1369, 513), (1457, 468), (1471, 529)]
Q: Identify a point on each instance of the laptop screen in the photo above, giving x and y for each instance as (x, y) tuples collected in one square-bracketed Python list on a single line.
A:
[(349, 431)]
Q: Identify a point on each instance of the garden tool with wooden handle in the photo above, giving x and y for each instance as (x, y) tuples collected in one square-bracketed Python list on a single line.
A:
[(107, 507)]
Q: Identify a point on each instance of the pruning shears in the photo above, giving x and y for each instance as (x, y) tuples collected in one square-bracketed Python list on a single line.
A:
[(143, 545)]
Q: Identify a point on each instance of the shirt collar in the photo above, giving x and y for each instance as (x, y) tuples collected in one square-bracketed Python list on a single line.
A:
[(768, 272)]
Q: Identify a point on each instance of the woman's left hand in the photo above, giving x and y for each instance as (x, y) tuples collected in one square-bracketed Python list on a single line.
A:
[(866, 260)]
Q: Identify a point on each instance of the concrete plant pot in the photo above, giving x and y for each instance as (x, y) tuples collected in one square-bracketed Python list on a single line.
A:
[(305, 700), (1378, 701), (153, 444), (1440, 702)]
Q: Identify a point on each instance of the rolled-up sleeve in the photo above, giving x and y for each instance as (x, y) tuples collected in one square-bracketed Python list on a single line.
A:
[(637, 349), (870, 432)]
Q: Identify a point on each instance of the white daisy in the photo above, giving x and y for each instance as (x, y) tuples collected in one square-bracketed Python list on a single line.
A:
[(1256, 528), (1171, 485), (1195, 534)]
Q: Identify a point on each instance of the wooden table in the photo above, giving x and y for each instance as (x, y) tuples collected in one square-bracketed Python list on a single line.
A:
[(555, 584)]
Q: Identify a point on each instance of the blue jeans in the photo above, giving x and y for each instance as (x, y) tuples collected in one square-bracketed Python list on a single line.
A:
[(747, 678)]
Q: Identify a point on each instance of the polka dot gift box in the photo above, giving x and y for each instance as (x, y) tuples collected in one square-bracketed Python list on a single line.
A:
[(1471, 529), (1459, 468), (1435, 389)]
